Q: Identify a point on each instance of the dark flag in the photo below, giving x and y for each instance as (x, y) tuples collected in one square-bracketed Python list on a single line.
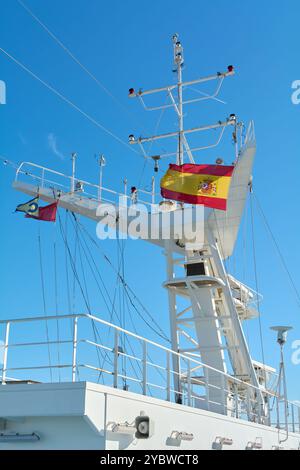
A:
[(31, 208)]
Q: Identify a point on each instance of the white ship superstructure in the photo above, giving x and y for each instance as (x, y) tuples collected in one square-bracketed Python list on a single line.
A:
[(203, 392)]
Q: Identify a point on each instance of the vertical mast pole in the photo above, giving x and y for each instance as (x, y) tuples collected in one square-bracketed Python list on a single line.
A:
[(102, 164), (285, 397), (178, 59), (173, 325), (74, 155)]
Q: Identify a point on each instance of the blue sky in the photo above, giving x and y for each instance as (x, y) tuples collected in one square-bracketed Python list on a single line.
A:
[(128, 44)]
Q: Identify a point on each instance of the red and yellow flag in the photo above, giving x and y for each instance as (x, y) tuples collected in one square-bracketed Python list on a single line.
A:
[(198, 184)]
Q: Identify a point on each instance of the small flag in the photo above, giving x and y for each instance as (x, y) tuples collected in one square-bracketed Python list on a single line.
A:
[(46, 213), (198, 184), (31, 207)]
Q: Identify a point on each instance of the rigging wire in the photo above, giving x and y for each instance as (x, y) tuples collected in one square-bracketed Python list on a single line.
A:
[(128, 289), (226, 264), (130, 293), (277, 247), (86, 300), (74, 279), (113, 310), (56, 307), (122, 303), (7, 162), (96, 333), (75, 59), (244, 264), (67, 274), (220, 243), (94, 276), (148, 354), (44, 300), (257, 286), (161, 114), (69, 102)]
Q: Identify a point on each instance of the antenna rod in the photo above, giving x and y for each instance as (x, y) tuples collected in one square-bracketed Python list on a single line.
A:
[(102, 163), (74, 155), (178, 59)]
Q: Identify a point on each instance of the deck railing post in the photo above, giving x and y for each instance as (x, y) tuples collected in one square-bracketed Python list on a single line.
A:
[(269, 410), (189, 383), (206, 387), (168, 376), (116, 355), (144, 368), (74, 359), (248, 403), (5, 352), (236, 399), (261, 412), (224, 394), (293, 418)]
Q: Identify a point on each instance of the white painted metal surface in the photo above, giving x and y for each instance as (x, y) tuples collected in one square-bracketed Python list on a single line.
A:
[(81, 415), (225, 224), (201, 386)]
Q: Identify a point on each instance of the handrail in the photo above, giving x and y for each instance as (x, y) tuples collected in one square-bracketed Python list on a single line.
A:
[(134, 335), (121, 330), (70, 179)]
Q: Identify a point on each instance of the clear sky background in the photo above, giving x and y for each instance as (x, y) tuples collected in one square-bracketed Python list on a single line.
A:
[(128, 44)]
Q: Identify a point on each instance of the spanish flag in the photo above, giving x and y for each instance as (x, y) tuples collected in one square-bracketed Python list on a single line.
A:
[(198, 184)]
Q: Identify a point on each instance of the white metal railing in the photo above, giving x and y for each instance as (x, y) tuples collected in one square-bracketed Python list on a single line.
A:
[(99, 351), (48, 178)]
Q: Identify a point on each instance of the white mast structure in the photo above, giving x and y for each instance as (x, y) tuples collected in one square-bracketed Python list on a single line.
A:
[(209, 326), (213, 311)]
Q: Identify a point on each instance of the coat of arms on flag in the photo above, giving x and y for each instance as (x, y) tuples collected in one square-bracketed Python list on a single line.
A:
[(198, 184)]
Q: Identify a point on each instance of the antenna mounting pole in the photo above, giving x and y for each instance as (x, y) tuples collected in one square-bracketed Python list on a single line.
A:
[(178, 60), (74, 156), (102, 163)]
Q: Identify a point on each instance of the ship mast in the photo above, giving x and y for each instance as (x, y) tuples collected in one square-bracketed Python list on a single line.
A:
[(214, 329), (178, 106), (179, 61), (209, 326)]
